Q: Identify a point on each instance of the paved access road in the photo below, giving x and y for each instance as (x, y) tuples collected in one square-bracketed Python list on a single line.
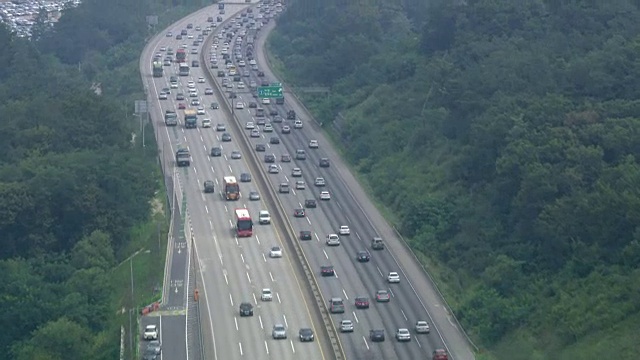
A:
[(413, 298), (233, 270)]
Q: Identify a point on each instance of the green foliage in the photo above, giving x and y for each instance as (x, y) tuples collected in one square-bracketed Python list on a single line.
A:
[(504, 135)]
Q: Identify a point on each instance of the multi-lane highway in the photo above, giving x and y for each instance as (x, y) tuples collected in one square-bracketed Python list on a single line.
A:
[(234, 270)]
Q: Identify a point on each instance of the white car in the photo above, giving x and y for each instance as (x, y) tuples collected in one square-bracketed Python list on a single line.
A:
[(239, 105), (273, 169), (206, 123), (333, 240), (174, 85), (266, 101), (264, 217), (296, 172), (191, 84), (344, 230), (422, 327), (255, 133), (268, 128), (249, 125), (201, 80), (393, 277), (241, 85), (324, 195), (313, 144), (151, 332), (403, 335), (200, 110), (275, 252), (297, 124), (300, 185), (266, 295)]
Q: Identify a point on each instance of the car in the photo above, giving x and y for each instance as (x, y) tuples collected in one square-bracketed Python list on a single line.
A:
[(241, 85), (260, 74), (324, 195), (296, 172), (191, 84), (208, 91), (336, 306), (236, 154), (333, 240), (221, 127), (261, 147), (255, 133), (226, 137), (273, 112), (422, 327), (363, 256), (346, 326), (285, 158), (245, 177), (163, 96), (393, 277), (216, 151), (215, 106), (269, 158), (305, 335), (246, 309), (305, 235), (169, 34), (327, 270), (193, 93), (301, 154), (206, 123), (383, 296), (268, 128), (195, 102), (275, 252), (344, 230), (440, 354), (324, 162), (319, 181), (201, 80), (239, 105), (297, 124), (298, 213), (174, 85), (261, 121), (279, 332), (313, 144), (150, 332), (284, 188), (274, 140), (209, 186), (264, 218), (300, 185), (286, 129), (266, 101), (273, 169), (377, 243), (253, 105), (310, 203), (361, 302), (249, 125), (403, 334), (376, 335), (200, 110), (182, 106), (254, 196), (266, 295)]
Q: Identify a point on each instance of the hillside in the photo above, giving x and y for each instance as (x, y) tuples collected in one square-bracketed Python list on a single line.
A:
[(514, 130)]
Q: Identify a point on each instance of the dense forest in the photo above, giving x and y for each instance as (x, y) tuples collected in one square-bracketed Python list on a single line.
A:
[(72, 183), (514, 128)]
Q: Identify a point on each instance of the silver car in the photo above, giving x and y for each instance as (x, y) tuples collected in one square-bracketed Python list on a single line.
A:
[(279, 332), (346, 326)]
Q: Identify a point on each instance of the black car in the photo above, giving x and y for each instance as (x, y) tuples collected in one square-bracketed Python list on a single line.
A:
[(327, 270), (215, 105), (253, 105), (260, 74), (269, 158), (226, 137), (324, 162), (363, 256), (233, 95), (216, 151), (261, 147), (245, 177), (209, 187), (277, 119), (274, 140), (273, 112), (306, 334), (376, 335), (310, 203), (305, 235), (246, 309), (195, 63)]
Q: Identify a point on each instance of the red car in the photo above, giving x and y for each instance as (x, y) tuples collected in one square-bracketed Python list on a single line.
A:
[(440, 354), (182, 106), (327, 270), (298, 212), (362, 302)]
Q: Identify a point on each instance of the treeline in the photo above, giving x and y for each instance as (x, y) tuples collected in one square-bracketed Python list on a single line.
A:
[(504, 134), (72, 182)]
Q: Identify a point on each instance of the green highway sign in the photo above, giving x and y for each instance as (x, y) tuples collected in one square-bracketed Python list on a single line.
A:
[(270, 92)]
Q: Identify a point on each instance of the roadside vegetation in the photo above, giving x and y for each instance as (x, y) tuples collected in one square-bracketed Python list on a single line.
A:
[(77, 196), (504, 135)]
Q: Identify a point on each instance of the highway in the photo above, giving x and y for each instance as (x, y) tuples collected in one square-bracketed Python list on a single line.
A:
[(235, 269)]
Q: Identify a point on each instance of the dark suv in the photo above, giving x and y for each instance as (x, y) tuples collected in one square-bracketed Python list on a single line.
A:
[(310, 203), (209, 186), (246, 309), (376, 335)]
